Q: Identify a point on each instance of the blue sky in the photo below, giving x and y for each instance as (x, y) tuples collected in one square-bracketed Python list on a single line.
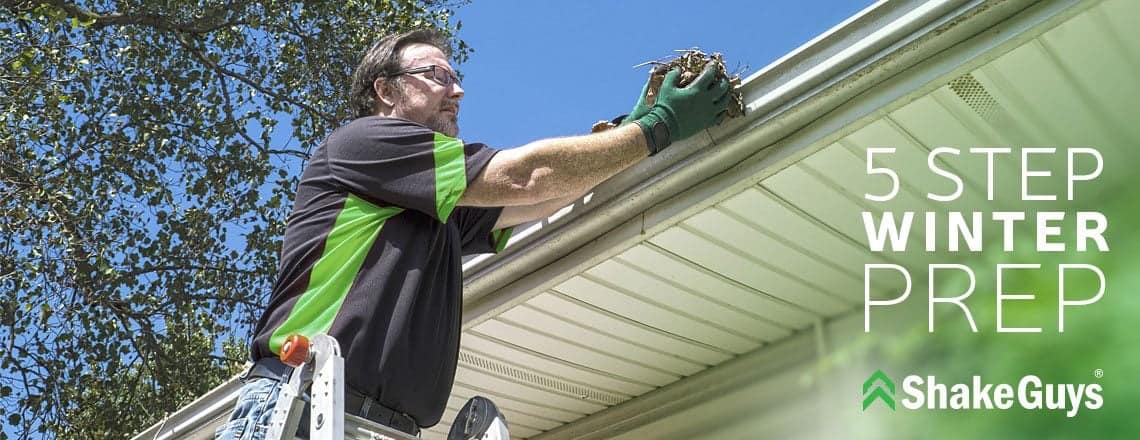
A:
[(543, 69)]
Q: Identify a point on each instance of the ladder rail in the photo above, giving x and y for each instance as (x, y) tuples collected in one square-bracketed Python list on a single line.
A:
[(327, 393), (323, 368)]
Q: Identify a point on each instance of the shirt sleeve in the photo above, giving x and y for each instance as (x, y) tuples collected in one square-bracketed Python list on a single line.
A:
[(405, 164), (476, 232)]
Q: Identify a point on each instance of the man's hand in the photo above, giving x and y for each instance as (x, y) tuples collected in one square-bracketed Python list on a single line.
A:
[(680, 112), (641, 108)]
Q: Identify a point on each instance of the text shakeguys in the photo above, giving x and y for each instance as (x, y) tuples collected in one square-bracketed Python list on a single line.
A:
[(1053, 231)]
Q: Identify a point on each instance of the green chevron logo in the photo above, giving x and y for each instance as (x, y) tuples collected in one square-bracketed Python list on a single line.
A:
[(880, 387)]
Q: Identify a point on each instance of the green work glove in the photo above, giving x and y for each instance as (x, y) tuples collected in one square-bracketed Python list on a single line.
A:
[(681, 112), (639, 109)]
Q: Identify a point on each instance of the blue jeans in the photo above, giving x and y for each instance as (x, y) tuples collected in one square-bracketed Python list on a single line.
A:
[(250, 419)]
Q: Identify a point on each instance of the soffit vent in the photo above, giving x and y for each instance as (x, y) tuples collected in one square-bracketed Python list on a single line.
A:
[(538, 380), (975, 96)]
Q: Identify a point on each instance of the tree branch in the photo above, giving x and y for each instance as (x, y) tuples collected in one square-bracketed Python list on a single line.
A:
[(180, 29), (297, 153), (147, 270), (248, 81), (152, 20)]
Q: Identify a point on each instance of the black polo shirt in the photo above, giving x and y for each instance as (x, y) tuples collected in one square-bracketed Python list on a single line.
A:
[(372, 257)]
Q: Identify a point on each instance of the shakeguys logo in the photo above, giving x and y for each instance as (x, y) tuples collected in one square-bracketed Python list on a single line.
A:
[(1030, 393)]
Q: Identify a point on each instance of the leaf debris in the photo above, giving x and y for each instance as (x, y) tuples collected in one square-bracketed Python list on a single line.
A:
[(691, 62)]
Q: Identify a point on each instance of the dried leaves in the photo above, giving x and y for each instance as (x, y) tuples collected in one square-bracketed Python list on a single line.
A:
[(691, 62)]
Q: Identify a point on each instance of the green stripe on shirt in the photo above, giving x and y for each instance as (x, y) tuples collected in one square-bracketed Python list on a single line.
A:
[(450, 174), (501, 237), (349, 242)]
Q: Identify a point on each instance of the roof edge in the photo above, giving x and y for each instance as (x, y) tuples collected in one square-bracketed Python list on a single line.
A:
[(782, 98)]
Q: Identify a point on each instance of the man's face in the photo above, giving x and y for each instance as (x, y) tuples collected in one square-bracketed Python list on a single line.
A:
[(425, 101)]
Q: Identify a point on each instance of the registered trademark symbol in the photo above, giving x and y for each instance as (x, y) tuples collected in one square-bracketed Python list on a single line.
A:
[(1099, 373)]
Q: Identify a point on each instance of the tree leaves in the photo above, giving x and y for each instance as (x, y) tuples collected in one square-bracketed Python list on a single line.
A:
[(144, 184)]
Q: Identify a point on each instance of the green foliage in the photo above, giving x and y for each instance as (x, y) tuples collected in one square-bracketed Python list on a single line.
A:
[(105, 395), (144, 184)]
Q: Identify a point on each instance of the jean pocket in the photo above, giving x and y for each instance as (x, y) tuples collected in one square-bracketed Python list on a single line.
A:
[(240, 430), (232, 430), (251, 413)]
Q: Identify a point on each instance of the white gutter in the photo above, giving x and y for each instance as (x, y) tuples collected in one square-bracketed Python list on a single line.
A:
[(197, 420), (806, 92)]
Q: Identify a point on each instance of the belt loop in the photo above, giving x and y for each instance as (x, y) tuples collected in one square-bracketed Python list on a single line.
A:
[(415, 427)]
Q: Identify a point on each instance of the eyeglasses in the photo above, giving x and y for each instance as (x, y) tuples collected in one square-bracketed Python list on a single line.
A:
[(440, 75)]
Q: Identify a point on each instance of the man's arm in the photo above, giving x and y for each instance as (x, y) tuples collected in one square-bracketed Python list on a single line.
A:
[(557, 168), (514, 215)]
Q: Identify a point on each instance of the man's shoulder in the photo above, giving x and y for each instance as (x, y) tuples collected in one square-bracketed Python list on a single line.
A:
[(374, 125), (366, 133)]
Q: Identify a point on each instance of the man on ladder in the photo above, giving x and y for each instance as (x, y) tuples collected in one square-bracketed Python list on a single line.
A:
[(388, 205)]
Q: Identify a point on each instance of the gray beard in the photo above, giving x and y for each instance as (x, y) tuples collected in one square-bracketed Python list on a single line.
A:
[(444, 123)]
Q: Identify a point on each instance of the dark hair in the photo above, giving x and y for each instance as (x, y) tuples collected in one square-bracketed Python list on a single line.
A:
[(382, 60)]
